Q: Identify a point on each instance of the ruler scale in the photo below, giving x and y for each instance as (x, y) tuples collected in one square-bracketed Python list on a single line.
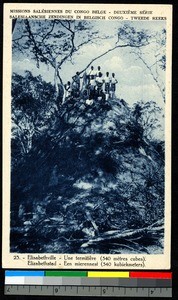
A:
[(87, 283)]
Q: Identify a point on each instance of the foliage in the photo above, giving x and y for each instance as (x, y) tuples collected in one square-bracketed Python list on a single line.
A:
[(33, 110), (55, 42), (52, 42), (91, 174), (156, 64), (147, 116), (136, 38)]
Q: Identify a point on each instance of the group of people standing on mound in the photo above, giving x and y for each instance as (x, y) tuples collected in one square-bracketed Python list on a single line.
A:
[(94, 86)]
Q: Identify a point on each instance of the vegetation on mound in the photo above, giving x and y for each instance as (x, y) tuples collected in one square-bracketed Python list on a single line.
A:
[(85, 179)]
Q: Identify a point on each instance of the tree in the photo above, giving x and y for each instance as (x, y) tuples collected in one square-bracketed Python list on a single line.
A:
[(56, 42), (156, 64), (137, 40), (32, 106), (52, 42), (147, 115), (126, 37)]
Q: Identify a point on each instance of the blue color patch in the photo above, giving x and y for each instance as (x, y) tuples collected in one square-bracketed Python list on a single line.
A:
[(24, 273)]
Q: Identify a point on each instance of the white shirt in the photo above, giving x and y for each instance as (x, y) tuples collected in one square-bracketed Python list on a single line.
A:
[(114, 80), (107, 79), (93, 74)]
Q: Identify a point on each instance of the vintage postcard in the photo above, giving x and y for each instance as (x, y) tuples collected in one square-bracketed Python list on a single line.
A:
[(87, 136)]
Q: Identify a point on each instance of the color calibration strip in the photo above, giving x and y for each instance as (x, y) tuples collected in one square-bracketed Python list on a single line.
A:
[(160, 279), (89, 283)]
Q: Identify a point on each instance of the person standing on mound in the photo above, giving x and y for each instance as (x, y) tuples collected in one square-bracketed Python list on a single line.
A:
[(107, 85), (113, 86)]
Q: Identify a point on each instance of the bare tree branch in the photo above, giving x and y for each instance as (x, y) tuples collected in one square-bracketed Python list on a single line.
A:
[(161, 89), (108, 51), (49, 32)]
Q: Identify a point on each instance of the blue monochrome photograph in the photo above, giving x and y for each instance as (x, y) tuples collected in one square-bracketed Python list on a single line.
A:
[(88, 136)]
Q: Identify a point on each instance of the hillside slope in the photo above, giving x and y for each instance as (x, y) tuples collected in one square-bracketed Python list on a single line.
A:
[(91, 183)]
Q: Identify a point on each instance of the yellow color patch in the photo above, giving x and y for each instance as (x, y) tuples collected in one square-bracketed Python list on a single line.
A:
[(109, 274)]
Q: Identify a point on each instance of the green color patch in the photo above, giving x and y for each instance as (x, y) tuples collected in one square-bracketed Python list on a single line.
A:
[(66, 273)]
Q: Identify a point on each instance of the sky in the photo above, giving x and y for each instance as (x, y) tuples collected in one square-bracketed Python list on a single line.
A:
[(135, 82)]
